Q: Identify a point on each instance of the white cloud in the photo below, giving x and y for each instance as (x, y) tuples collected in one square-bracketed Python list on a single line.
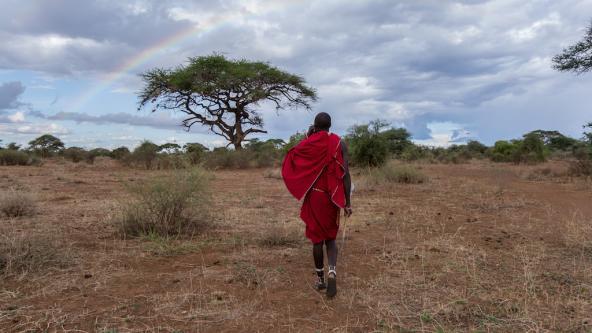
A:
[(42, 129), (18, 117)]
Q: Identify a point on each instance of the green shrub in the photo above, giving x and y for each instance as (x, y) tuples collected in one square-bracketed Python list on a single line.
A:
[(15, 157), (398, 139), (195, 152), (264, 153), (15, 203), (531, 150), (75, 154), (367, 148), (120, 153), (145, 155), (415, 152), (170, 161), (294, 140), (97, 152), (172, 205), (504, 151)]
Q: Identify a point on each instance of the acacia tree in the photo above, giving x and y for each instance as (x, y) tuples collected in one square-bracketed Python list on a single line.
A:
[(46, 145), (224, 94), (576, 58)]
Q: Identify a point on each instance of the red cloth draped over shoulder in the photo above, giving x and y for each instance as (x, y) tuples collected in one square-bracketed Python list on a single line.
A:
[(305, 162), (314, 170)]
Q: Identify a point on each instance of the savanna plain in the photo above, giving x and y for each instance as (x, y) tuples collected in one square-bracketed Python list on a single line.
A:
[(474, 247)]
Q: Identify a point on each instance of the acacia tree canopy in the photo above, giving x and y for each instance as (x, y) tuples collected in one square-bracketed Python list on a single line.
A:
[(224, 94), (46, 144), (578, 57)]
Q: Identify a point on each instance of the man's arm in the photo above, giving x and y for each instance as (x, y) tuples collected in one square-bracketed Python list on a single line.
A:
[(346, 179)]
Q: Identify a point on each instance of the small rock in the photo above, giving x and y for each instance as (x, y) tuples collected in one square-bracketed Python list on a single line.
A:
[(87, 275)]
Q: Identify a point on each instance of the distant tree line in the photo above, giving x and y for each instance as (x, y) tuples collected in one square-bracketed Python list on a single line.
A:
[(370, 145)]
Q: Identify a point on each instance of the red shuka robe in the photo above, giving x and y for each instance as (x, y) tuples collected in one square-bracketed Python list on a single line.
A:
[(314, 170)]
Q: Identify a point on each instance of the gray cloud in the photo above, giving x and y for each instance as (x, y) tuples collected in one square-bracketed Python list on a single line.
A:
[(9, 95), (483, 64), (159, 121)]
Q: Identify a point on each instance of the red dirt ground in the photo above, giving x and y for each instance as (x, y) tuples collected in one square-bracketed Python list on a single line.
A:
[(477, 248)]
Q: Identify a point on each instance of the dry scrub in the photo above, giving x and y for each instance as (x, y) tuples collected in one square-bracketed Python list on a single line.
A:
[(280, 236), (391, 173), (171, 205), (21, 254), (273, 174), (578, 232), (15, 203)]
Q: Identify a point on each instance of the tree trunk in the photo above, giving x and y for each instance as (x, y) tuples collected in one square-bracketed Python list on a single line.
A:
[(238, 133), (237, 144)]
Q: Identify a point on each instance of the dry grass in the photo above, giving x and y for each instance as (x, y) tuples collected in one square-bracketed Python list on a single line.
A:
[(16, 203), (391, 173), (546, 173), (578, 231), (280, 237), (21, 254), (477, 249), (273, 173), (171, 205)]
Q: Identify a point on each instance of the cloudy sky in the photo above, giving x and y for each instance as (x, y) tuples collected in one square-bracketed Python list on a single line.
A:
[(446, 70)]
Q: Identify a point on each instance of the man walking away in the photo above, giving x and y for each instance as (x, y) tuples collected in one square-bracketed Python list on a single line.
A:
[(317, 170)]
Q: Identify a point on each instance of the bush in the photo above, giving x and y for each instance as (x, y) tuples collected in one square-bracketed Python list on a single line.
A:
[(97, 152), (21, 254), (582, 166), (294, 140), (531, 150), (120, 153), (415, 152), (15, 203), (167, 206), (367, 148), (398, 139), (15, 157), (195, 152), (170, 161), (145, 155), (503, 151), (75, 154), (391, 173)]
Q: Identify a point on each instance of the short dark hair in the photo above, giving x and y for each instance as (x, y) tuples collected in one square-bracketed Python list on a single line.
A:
[(322, 121)]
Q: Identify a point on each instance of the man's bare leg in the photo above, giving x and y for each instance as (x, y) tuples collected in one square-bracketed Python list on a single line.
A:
[(332, 276), (317, 252)]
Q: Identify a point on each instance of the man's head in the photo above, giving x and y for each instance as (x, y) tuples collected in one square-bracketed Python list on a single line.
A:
[(322, 122)]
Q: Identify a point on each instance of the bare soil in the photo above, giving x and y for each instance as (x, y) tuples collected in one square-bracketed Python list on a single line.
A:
[(479, 247)]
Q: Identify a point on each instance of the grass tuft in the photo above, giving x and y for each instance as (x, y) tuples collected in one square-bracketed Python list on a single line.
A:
[(280, 237), (24, 253), (391, 173), (171, 205), (16, 203)]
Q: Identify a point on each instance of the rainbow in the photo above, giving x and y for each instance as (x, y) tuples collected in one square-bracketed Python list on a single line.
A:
[(148, 54), (160, 47)]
